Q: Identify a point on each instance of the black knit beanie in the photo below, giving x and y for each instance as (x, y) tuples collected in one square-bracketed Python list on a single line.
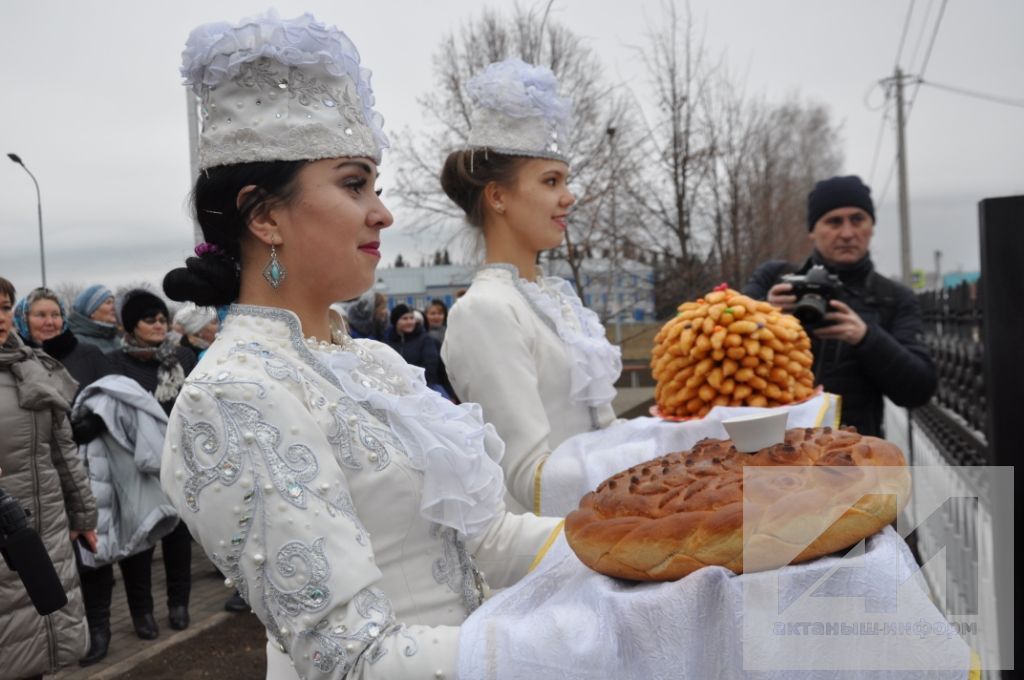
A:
[(398, 312), (138, 304), (838, 192)]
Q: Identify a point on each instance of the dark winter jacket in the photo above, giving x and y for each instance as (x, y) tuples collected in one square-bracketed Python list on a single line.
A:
[(418, 349), (891, 361), (146, 371), (86, 363)]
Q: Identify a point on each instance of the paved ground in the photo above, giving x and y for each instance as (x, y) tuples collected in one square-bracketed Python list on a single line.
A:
[(127, 650)]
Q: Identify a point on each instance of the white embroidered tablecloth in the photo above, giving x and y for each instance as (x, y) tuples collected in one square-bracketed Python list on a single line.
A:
[(865, 615)]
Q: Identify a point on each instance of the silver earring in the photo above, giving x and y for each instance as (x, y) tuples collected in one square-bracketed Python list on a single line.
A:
[(274, 272)]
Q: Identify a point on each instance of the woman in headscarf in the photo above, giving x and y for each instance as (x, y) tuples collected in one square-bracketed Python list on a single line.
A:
[(42, 472), (352, 506), (40, 318), (93, 318)]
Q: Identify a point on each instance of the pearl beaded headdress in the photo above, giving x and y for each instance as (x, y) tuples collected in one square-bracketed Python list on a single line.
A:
[(517, 111), (274, 89)]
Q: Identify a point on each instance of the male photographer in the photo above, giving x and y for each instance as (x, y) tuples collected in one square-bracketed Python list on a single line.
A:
[(866, 335)]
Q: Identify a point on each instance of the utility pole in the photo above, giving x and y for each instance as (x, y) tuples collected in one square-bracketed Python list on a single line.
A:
[(901, 154)]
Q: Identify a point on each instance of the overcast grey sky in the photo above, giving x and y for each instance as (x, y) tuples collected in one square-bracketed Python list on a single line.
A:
[(92, 102)]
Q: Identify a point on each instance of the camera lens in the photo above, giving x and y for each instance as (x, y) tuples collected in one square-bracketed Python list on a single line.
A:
[(810, 309)]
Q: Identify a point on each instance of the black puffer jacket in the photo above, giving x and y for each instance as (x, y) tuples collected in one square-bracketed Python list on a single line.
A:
[(890, 361), (418, 349), (86, 363)]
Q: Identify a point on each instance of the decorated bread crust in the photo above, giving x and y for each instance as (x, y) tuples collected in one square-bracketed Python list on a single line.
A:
[(666, 518)]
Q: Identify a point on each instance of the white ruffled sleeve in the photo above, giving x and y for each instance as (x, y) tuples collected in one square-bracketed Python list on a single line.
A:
[(254, 478)]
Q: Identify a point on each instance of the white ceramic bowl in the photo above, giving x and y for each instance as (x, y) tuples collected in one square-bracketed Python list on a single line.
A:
[(760, 430)]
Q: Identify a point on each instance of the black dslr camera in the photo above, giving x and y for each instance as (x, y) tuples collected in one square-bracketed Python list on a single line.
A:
[(813, 291)]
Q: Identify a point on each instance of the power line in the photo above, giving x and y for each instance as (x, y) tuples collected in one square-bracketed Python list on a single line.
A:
[(903, 37), (920, 34), (927, 57), (999, 99), (885, 188), (935, 33), (878, 141)]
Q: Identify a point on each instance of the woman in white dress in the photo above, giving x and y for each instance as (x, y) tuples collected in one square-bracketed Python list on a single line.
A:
[(520, 344), (353, 508)]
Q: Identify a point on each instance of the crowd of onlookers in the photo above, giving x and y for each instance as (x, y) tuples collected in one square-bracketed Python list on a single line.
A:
[(85, 391), (85, 456), (416, 335)]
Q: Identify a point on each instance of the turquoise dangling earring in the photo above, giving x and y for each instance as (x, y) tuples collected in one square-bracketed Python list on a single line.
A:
[(274, 272)]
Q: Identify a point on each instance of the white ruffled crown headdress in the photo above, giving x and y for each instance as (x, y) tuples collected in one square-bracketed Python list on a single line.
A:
[(280, 90), (517, 111)]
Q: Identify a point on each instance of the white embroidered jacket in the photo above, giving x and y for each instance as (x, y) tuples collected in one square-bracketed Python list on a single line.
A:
[(311, 504), (501, 351)]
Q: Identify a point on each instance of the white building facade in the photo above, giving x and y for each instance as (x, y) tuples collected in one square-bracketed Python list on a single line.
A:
[(621, 291)]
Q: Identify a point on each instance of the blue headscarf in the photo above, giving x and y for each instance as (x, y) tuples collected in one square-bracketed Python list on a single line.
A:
[(90, 299), (25, 303)]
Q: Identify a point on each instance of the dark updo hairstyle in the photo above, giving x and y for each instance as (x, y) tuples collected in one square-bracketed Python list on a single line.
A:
[(211, 279), (466, 172)]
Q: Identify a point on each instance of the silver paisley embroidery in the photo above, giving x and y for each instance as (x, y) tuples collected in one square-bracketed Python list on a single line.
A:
[(332, 641), (455, 568), (311, 596)]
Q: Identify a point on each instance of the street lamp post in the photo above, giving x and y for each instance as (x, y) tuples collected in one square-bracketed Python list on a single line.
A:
[(39, 208)]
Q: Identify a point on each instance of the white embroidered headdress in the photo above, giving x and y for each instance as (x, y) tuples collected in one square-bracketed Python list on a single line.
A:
[(517, 111), (274, 89)]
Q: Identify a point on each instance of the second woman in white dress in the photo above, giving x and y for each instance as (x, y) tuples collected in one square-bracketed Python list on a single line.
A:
[(521, 344)]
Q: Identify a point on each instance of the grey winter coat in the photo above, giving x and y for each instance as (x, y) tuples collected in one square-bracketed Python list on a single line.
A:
[(41, 469), (124, 468)]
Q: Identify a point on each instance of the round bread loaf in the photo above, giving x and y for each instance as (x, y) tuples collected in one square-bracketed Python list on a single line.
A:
[(821, 491)]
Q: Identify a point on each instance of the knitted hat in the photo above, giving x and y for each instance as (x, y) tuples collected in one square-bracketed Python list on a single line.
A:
[(90, 299), (517, 111), (838, 192), (139, 304), (398, 312), (280, 90), (193, 319), (359, 312)]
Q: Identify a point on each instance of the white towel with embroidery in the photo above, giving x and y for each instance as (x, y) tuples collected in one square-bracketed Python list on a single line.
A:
[(582, 462), (865, 615)]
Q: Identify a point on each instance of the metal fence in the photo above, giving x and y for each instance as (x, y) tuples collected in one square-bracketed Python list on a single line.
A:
[(971, 422)]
